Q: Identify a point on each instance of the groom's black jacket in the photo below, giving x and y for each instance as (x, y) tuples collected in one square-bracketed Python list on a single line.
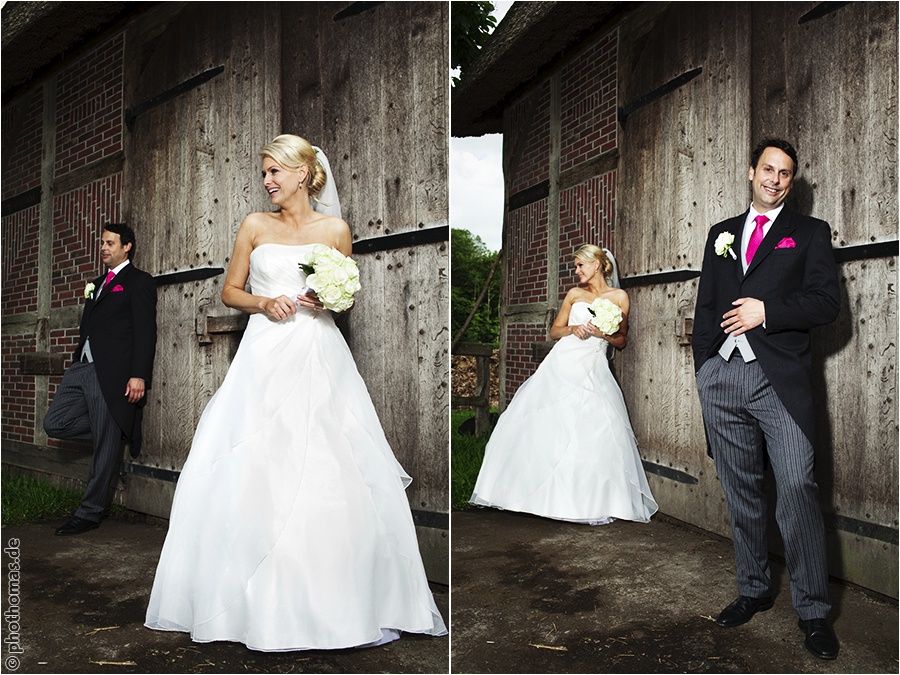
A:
[(121, 323), (793, 272)]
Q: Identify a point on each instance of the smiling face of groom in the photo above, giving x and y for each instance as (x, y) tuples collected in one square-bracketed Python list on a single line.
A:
[(771, 179), (112, 251)]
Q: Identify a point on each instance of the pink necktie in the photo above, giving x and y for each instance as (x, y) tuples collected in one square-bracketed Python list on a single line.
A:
[(757, 237), (111, 275)]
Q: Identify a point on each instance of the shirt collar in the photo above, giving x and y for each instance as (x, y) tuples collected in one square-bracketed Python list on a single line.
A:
[(771, 215), (120, 267)]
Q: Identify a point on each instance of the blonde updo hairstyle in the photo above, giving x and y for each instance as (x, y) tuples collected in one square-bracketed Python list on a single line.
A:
[(292, 152), (590, 253)]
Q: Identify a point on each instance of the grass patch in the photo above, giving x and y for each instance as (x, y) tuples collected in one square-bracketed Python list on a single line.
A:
[(466, 453), (26, 499)]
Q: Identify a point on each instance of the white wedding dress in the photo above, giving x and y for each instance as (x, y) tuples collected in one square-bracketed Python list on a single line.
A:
[(290, 528), (564, 448)]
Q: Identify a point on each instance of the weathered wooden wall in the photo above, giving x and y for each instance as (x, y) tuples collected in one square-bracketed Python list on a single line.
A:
[(203, 91), (697, 85), (379, 109), (684, 167), (190, 178)]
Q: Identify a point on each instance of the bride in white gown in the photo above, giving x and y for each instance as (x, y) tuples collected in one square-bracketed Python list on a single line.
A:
[(290, 528), (564, 448)]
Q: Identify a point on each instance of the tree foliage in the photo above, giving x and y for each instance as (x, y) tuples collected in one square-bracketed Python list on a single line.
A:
[(470, 25), (470, 264)]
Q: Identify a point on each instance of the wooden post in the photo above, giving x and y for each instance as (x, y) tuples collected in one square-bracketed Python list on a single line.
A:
[(481, 401)]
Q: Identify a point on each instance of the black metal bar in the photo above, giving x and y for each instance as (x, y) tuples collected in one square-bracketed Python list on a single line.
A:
[(672, 277), (132, 113), (151, 472), (188, 275), (439, 521), (529, 195), (862, 528), (657, 93), (667, 472), (20, 202), (881, 249), (821, 10), (390, 242), (355, 8)]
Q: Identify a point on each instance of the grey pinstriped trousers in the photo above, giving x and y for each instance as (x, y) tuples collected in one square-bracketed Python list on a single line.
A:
[(78, 411), (744, 418)]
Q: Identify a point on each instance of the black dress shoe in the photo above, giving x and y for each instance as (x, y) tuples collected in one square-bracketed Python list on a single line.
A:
[(820, 639), (742, 610), (76, 525)]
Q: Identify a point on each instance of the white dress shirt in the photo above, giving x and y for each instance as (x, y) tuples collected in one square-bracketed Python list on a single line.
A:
[(739, 342)]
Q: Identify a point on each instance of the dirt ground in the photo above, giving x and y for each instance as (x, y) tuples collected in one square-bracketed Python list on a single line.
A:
[(81, 602), (533, 595)]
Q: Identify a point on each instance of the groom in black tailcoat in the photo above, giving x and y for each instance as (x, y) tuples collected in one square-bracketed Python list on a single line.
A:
[(768, 277), (103, 392)]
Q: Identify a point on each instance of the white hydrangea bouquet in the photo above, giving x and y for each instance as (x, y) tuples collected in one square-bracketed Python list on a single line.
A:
[(333, 276), (606, 315)]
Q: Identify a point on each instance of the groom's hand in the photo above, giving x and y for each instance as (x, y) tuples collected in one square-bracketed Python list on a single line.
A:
[(134, 390), (747, 315)]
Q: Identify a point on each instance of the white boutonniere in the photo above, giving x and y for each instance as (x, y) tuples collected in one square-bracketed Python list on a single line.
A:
[(89, 291), (724, 242)]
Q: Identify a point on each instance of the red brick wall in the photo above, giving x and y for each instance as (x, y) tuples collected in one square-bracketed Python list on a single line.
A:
[(20, 258), (77, 218), (22, 132), (88, 117), (587, 211), (17, 413), (526, 254), (520, 364), (534, 163), (89, 108), (588, 103)]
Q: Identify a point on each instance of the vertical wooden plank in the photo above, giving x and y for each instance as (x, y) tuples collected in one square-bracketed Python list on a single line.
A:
[(192, 176)]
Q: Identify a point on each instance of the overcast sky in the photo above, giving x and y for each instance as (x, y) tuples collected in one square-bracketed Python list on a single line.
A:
[(476, 179)]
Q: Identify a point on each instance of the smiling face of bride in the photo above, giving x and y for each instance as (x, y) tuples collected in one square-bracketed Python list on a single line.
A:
[(585, 270), (281, 183)]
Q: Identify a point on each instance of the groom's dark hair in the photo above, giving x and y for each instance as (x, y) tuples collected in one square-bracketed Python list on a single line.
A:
[(126, 234), (779, 143)]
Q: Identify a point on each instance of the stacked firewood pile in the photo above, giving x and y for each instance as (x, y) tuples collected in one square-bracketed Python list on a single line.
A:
[(462, 377)]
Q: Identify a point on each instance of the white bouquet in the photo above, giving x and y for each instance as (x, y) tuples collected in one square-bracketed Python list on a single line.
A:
[(606, 315), (333, 276)]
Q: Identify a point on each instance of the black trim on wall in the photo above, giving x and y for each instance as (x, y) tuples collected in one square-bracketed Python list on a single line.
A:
[(188, 275), (438, 521), (390, 242), (355, 8), (133, 113), (657, 93), (20, 202), (820, 10), (861, 528), (668, 472), (151, 472), (672, 277), (881, 249), (529, 195)]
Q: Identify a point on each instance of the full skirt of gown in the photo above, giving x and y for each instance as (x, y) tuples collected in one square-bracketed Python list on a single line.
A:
[(290, 528), (564, 448)]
